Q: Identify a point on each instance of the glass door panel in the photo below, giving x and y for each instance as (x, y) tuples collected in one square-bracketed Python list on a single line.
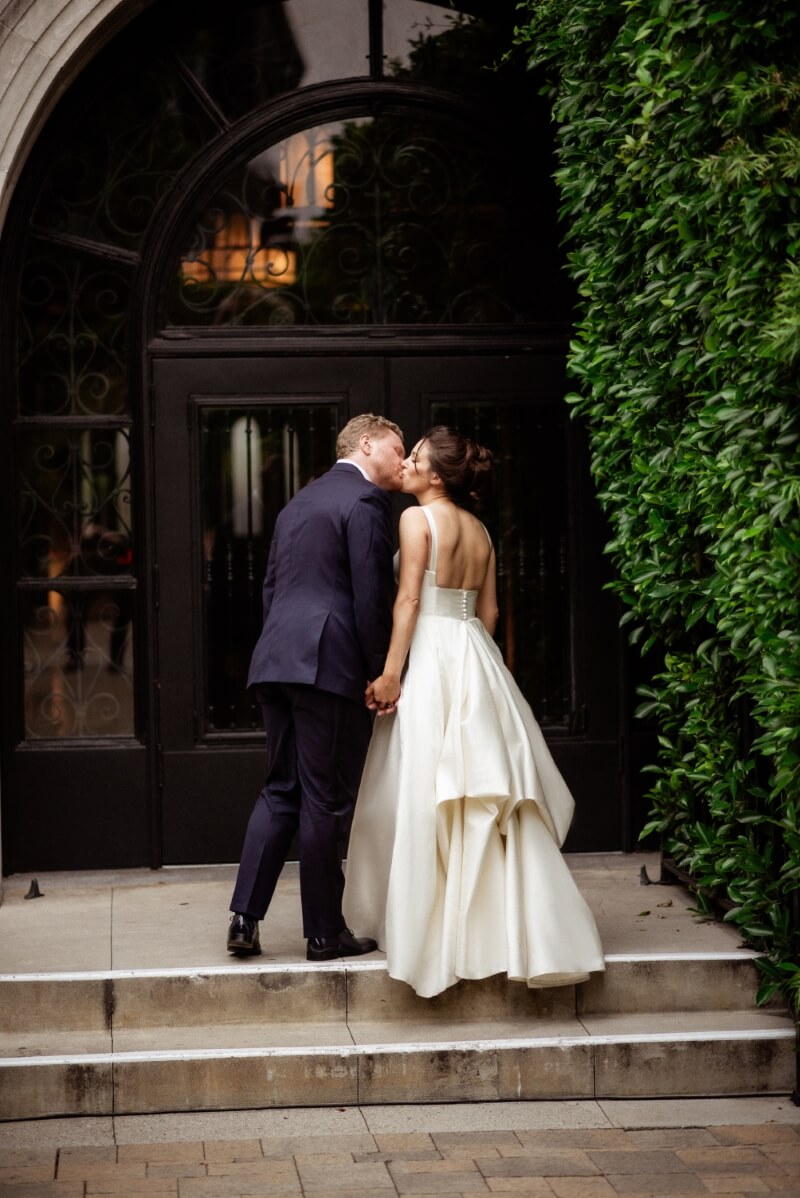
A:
[(77, 586), (370, 220), (78, 664), (253, 459)]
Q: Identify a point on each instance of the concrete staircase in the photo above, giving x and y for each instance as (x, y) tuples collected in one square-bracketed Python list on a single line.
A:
[(248, 1035)]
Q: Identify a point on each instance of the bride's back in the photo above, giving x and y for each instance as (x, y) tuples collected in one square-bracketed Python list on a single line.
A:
[(464, 548)]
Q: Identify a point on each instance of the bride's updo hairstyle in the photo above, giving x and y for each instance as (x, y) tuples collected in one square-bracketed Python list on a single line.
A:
[(464, 466)]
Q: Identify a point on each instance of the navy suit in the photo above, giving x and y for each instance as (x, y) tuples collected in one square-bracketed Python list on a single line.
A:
[(328, 596)]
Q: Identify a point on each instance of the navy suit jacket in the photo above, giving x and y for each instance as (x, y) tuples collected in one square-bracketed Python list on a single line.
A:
[(329, 587)]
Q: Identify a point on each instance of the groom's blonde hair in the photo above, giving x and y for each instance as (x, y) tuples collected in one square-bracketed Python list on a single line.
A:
[(353, 431)]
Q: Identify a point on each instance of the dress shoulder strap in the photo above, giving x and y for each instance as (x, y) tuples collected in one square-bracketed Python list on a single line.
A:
[(488, 537), (434, 554)]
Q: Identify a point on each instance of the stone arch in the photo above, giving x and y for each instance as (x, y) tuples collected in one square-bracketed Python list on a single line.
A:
[(44, 44)]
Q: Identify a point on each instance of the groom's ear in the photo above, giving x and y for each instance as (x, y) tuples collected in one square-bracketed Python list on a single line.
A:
[(365, 443)]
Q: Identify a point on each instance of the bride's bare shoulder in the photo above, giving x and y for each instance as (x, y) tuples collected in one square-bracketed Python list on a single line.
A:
[(412, 517), (413, 523)]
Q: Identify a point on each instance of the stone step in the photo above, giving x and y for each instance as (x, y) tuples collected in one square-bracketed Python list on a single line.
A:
[(702, 1057), (342, 1033), (360, 991)]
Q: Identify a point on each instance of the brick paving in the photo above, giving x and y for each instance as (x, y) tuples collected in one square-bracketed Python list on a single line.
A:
[(729, 1161)]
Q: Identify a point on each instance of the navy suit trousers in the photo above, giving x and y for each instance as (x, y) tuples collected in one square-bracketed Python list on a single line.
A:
[(316, 746)]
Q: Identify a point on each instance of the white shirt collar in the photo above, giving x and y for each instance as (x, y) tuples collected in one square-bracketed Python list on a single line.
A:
[(350, 462)]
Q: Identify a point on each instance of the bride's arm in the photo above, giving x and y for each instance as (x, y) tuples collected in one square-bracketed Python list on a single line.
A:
[(486, 608), (414, 550)]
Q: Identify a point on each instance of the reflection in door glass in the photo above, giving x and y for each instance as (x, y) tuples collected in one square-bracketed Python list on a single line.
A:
[(254, 458), (417, 39), (527, 519), (245, 56), (78, 663), (77, 581), (75, 511)]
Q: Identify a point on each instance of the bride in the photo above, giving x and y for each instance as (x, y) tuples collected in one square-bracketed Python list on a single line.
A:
[(454, 863)]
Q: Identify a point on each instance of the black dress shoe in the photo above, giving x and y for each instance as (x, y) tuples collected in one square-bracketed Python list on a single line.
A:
[(243, 936), (326, 948)]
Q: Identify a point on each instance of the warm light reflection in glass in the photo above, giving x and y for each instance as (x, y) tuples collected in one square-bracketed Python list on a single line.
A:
[(298, 176), (236, 255), (306, 169)]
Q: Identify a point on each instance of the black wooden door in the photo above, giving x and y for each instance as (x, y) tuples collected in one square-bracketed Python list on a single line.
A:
[(235, 438), (558, 628)]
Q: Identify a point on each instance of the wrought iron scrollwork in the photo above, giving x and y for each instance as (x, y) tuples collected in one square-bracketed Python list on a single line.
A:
[(120, 157), (76, 587), (75, 502), (368, 221), (73, 336)]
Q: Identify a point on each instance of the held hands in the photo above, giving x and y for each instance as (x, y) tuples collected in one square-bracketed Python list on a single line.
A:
[(382, 694)]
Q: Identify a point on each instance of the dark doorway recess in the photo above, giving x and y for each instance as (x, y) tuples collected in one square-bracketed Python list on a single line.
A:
[(235, 437)]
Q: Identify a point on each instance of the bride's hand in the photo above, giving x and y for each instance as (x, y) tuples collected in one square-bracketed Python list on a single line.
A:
[(382, 694)]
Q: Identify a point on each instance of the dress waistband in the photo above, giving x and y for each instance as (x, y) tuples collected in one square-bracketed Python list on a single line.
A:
[(443, 601)]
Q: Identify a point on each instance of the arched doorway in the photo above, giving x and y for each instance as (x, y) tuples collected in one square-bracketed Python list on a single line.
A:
[(330, 211)]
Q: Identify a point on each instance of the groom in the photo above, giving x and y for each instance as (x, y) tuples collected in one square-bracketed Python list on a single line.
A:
[(328, 596)]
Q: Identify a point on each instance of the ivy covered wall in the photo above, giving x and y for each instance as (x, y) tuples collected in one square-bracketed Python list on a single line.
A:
[(678, 125)]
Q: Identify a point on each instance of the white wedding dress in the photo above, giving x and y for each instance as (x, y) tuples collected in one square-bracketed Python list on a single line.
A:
[(454, 863)]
